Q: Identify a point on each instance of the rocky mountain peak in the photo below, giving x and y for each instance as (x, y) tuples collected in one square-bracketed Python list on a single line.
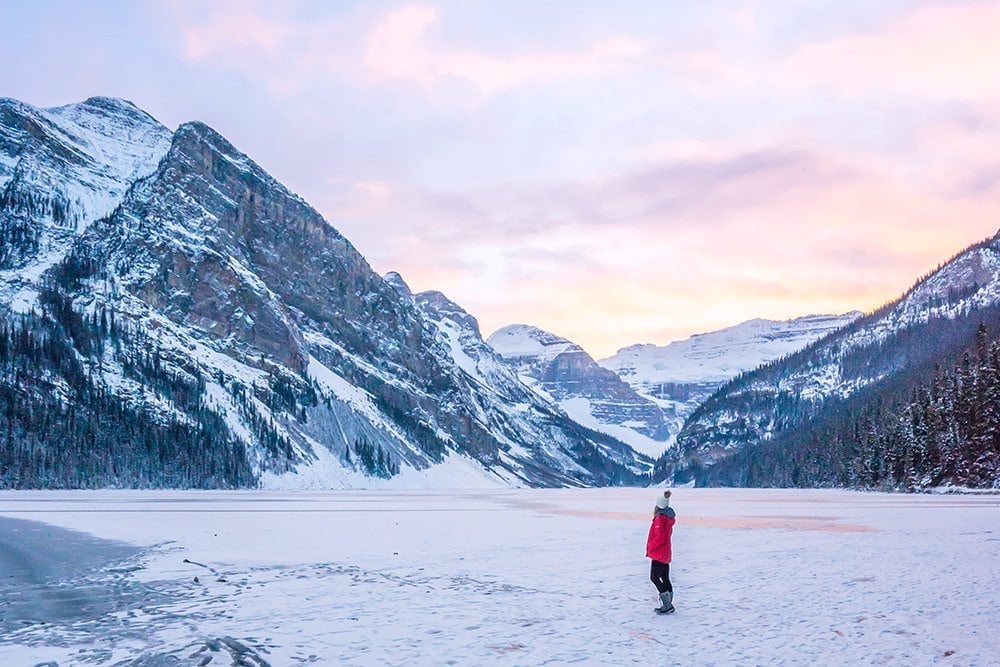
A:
[(114, 106), (397, 283), (196, 132), (62, 169), (445, 307)]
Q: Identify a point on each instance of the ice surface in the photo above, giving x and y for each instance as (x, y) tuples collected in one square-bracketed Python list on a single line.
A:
[(528, 577), (43, 570)]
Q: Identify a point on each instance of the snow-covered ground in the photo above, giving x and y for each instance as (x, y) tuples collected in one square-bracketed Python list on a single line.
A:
[(516, 577)]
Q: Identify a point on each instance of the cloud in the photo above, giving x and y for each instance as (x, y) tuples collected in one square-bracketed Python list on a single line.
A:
[(235, 27), (272, 43), (399, 48), (679, 178), (291, 52), (697, 242), (938, 52)]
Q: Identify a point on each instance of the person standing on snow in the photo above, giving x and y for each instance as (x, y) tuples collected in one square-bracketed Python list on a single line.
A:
[(658, 549)]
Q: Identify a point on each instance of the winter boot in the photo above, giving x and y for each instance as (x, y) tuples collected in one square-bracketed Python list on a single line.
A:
[(667, 598)]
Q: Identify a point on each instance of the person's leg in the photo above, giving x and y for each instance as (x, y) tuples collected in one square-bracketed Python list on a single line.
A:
[(666, 593), (656, 574), (659, 574)]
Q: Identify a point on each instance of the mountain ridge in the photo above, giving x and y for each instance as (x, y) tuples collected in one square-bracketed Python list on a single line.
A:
[(940, 312)]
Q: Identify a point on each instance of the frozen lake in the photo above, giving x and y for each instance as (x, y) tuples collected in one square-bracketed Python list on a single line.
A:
[(498, 577)]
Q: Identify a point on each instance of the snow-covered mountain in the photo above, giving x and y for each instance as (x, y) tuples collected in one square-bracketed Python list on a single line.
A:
[(680, 376), (561, 370), (460, 332), (718, 356), (60, 170), (905, 338), (195, 323)]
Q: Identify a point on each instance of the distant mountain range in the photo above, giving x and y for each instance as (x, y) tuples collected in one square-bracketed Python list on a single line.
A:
[(719, 356), (643, 394), (561, 371)]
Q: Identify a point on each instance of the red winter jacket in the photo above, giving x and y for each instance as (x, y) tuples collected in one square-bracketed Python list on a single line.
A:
[(658, 542)]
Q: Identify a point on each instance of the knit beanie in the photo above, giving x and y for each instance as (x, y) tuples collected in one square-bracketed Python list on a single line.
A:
[(663, 502)]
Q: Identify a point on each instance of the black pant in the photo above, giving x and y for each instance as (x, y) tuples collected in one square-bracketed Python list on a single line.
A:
[(659, 574)]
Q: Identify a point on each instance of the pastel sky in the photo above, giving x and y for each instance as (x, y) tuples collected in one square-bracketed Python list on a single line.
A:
[(614, 172)]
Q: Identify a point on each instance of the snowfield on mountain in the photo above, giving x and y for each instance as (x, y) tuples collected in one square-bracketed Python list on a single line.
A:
[(562, 371), (509, 577), (717, 356)]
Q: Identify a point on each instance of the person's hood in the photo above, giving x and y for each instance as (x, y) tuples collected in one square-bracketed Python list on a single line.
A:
[(666, 511)]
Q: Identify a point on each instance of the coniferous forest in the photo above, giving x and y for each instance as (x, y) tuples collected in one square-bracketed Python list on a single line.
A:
[(63, 428)]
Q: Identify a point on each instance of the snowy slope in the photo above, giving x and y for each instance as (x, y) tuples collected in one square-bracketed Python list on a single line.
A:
[(522, 340), (89, 153), (460, 335), (895, 339), (718, 356), (60, 170), (591, 395)]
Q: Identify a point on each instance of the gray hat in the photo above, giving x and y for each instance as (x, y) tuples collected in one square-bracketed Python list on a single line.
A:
[(663, 502)]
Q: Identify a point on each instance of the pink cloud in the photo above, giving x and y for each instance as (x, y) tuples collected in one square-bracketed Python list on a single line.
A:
[(396, 45), (291, 54), (399, 47), (267, 42), (948, 51), (233, 26)]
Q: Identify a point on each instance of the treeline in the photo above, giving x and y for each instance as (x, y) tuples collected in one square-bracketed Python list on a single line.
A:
[(61, 427), (64, 426)]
